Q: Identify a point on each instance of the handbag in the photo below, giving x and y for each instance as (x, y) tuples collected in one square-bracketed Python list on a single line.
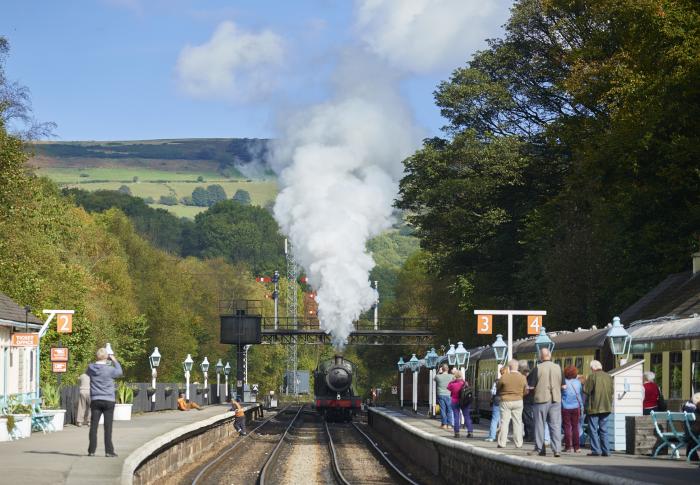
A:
[(661, 405)]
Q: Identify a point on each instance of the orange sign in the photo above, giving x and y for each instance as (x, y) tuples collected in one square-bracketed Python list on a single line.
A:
[(25, 340), (64, 323), (534, 322), (58, 367), (59, 354), (484, 324)]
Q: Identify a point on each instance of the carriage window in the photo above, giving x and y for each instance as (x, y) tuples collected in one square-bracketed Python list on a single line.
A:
[(676, 375), (567, 362), (558, 362), (579, 364), (695, 371), (637, 356), (531, 364), (657, 368)]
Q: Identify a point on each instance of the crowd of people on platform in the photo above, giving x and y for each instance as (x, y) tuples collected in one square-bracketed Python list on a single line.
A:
[(540, 403), (543, 401)]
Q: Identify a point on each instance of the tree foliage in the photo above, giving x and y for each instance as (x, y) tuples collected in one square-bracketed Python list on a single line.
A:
[(569, 177)]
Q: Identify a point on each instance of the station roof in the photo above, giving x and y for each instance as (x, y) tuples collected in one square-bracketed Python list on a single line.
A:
[(678, 296), (665, 329), (14, 315)]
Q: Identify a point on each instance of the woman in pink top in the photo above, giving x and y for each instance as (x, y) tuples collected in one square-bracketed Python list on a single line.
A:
[(455, 387)]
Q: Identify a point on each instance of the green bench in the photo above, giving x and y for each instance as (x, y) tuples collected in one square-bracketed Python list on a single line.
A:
[(670, 436), (40, 421)]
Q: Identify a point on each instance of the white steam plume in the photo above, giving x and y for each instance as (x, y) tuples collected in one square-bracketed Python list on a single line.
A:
[(342, 162)]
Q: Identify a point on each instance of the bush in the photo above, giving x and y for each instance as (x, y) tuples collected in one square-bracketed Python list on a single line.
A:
[(51, 396), (200, 179), (84, 174), (168, 200), (149, 200), (125, 190), (125, 394)]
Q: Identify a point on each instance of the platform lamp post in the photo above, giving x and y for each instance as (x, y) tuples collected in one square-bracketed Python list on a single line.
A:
[(219, 368), (187, 367), (154, 361), (275, 297), (402, 367), (414, 365), (543, 342), (451, 356), (462, 358), (205, 370), (227, 371), (620, 340), (500, 349), (431, 359)]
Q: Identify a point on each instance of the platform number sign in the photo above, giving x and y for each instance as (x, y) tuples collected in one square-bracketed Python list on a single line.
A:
[(534, 322), (484, 324), (64, 323)]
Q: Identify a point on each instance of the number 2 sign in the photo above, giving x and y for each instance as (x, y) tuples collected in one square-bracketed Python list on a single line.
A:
[(64, 323), (484, 324), (534, 322)]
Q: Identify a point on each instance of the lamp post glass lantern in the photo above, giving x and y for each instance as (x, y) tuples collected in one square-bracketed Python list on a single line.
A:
[(154, 358), (451, 355), (500, 349), (462, 356), (431, 359), (205, 369), (620, 340), (543, 342), (227, 371), (414, 365), (402, 367)]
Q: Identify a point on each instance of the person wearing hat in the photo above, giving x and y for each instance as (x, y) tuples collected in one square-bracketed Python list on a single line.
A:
[(239, 417)]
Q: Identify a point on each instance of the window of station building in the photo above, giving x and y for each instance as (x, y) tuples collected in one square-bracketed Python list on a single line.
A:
[(579, 364), (695, 371), (656, 367), (676, 375)]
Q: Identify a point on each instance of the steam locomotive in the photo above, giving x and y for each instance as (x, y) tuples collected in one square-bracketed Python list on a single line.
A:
[(334, 395)]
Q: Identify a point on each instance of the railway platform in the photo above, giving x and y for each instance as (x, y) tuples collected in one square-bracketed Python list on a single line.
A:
[(61, 458), (447, 456)]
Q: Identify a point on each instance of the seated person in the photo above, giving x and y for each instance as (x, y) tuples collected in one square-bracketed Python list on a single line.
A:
[(183, 405), (693, 406)]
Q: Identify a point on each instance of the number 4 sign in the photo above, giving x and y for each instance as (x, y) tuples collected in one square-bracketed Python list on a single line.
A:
[(534, 322), (485, 325), (64, 323)]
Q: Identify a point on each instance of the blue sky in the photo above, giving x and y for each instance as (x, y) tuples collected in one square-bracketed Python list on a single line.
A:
[(142, 69)]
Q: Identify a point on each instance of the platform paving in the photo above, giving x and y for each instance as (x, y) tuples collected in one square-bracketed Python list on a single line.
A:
[(639, 468), (61, 457)]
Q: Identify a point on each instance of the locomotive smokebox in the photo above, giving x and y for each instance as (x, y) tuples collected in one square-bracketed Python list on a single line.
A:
[(339, 377)]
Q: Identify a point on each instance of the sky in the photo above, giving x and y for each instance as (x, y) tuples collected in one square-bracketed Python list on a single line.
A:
[(147, 69)]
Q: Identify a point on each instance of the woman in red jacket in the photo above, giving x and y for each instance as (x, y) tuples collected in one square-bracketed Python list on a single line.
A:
[(455, 388), (651, 393)]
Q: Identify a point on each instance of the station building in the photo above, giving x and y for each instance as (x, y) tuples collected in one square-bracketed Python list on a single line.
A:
[(17, 354)]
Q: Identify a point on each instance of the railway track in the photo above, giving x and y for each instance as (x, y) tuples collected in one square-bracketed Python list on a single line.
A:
[(297, 446)]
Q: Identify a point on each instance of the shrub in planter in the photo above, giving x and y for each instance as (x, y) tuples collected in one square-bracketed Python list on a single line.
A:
[(125, 400), (19, 419), (169, 390), (52, 405)]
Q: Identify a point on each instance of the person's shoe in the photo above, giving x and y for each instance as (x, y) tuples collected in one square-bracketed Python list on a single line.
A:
[(78, 424), (499, 446), (592, 454), (557, 455), (567, 450), (111, 455), (91, 454), (243, 434), (490, 440), (469, 435), (456, 435), (536, 453), (605, 454)]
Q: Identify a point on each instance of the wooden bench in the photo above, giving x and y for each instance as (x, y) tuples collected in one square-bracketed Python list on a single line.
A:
[(671, 437), (40, 421)]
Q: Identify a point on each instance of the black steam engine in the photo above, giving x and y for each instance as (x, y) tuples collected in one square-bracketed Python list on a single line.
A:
[(334, 396)]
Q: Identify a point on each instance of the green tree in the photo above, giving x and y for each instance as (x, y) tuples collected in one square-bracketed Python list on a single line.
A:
[(242, 196), (216, 194), (200, 197)]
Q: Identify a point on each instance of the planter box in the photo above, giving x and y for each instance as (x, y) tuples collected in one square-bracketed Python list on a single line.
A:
[(122, 412), (4, 435), (59, 418), (23, 425)]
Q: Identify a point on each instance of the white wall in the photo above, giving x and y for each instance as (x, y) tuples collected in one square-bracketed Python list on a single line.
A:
[(625, 403), (17, 365)]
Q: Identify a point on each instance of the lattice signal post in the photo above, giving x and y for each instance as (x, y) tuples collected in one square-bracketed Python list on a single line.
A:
[(292, 309)]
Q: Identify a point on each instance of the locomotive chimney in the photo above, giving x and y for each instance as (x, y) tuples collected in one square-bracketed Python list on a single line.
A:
[(338, 360)]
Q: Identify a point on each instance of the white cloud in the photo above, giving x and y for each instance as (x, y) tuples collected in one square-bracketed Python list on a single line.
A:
[(234, 65), (424, 35)]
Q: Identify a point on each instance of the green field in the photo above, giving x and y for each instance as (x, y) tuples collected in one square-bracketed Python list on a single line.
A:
[(78, 175), (154, 183)]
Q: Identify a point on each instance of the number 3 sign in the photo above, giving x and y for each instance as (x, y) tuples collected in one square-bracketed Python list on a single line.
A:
[(485, 325), (64, 323)]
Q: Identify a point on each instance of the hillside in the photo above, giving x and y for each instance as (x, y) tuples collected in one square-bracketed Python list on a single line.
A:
[(169, 168)]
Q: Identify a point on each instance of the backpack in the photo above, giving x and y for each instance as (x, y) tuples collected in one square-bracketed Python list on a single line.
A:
[(465, 395)]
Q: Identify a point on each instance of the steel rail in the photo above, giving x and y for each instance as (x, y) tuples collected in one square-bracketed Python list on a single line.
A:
[(392, 467), (273, 454), (223, 454)]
